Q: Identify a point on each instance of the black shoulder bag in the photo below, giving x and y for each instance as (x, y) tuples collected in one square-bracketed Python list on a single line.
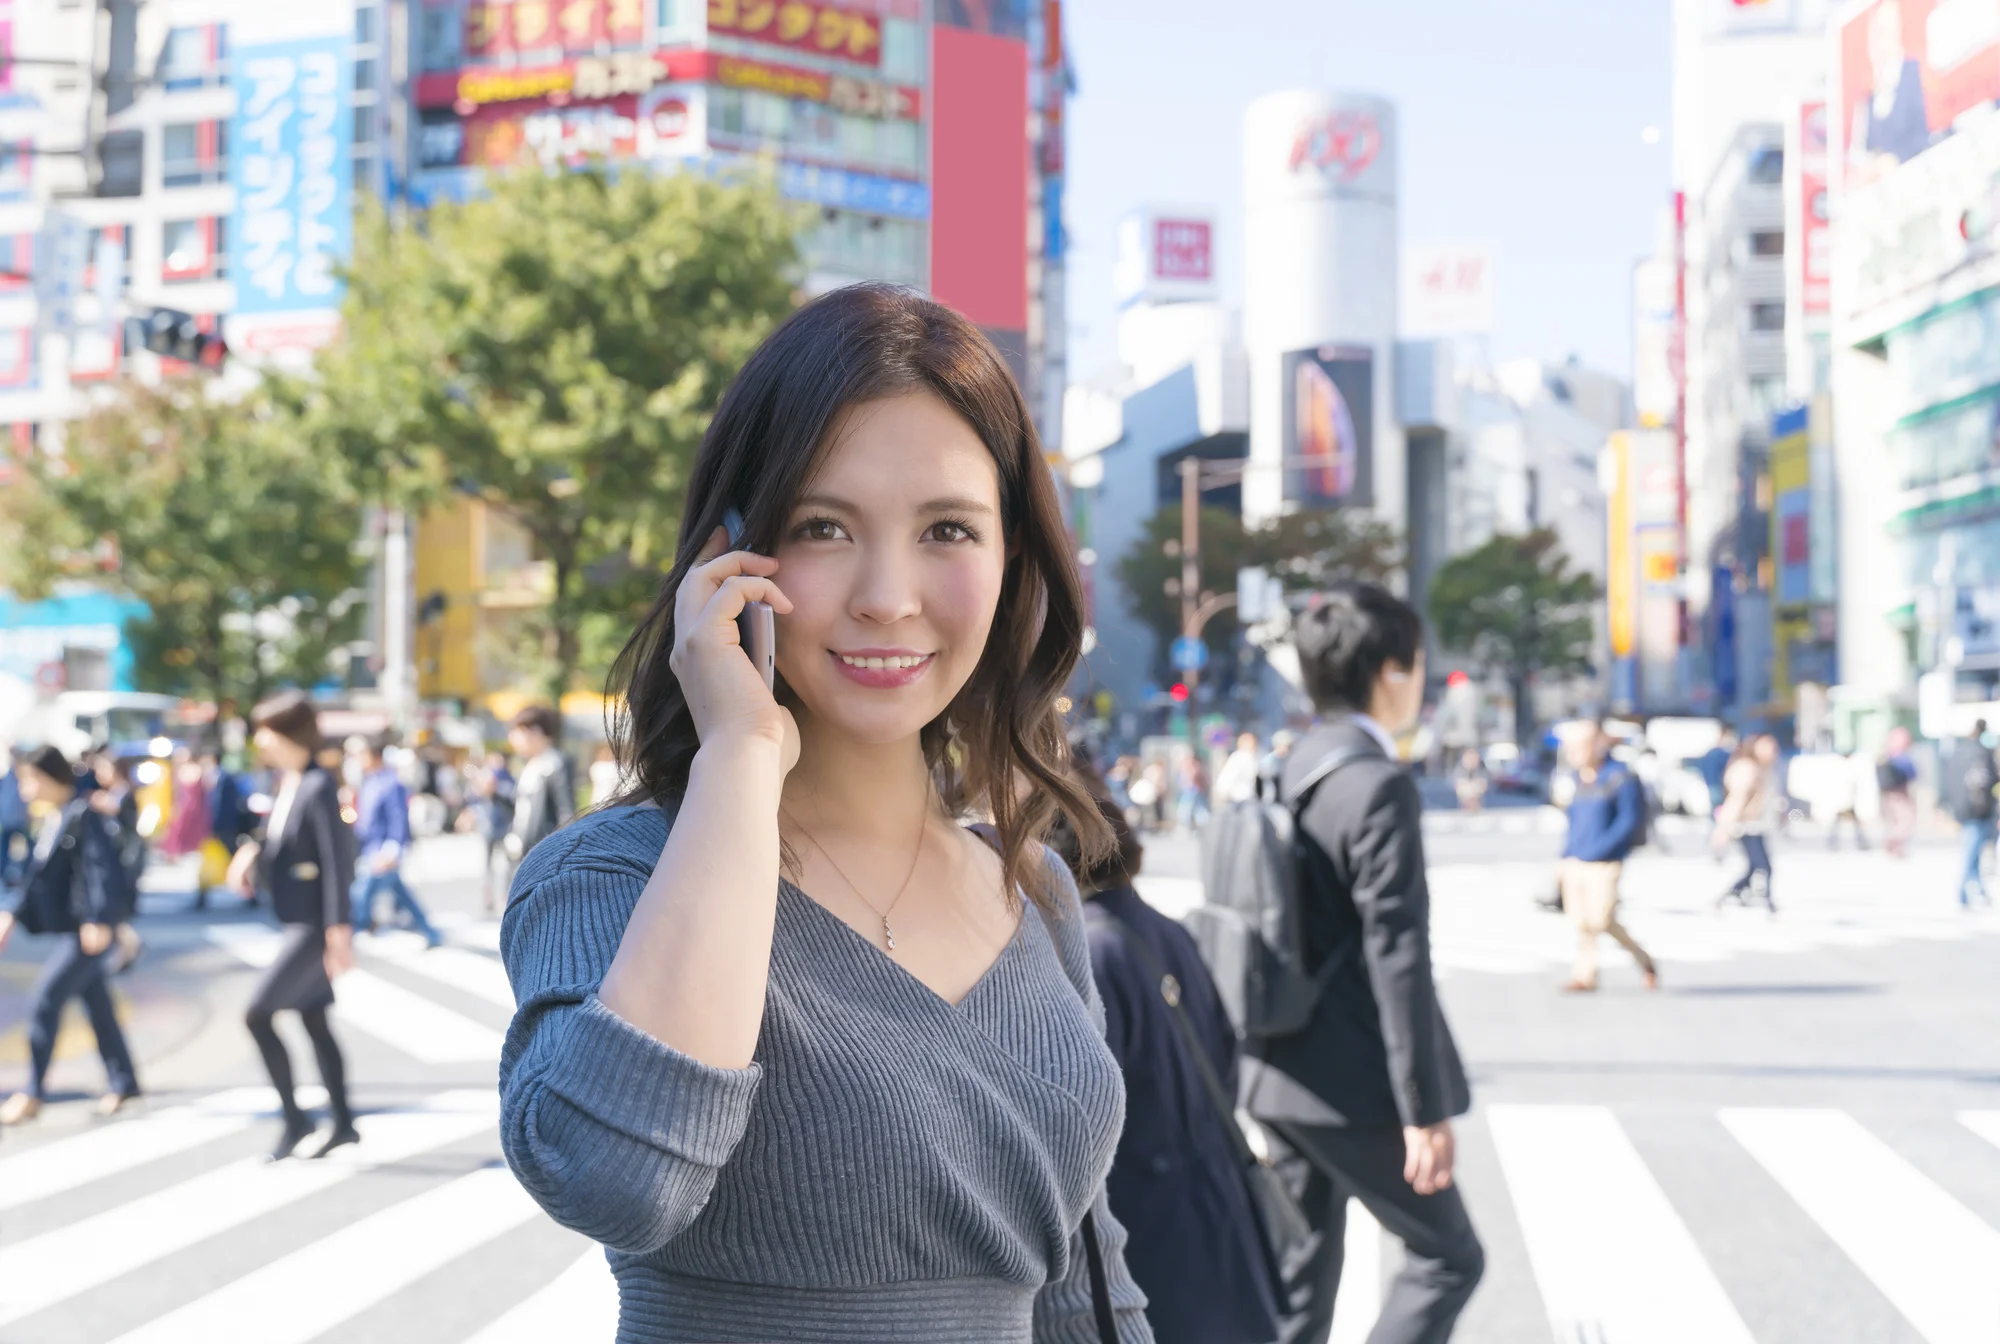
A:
[(1285, 1225)]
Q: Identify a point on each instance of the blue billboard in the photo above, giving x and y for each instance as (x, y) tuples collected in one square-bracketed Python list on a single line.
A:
[(291, 147)]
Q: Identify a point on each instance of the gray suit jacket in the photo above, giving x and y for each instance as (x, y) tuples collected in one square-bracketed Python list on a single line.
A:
[(1377, 1051)]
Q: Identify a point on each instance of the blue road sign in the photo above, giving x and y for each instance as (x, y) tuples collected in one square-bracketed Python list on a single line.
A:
[(1189, 654)]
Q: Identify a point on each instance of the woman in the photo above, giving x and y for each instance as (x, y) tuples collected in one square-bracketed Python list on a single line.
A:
[(1749, 787), (1895, 772), (1196, 1247), (75, 889), (814, 1062), (306, 862)]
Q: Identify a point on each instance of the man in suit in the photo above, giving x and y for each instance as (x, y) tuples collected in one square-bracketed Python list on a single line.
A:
[(76, 889), (1367, 1090), (545, 799)]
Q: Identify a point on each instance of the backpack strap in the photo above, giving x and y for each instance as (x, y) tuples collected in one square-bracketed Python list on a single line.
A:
[(1318, 774)]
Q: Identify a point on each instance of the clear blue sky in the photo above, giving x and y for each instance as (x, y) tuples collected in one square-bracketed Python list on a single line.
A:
[(1521, 126)]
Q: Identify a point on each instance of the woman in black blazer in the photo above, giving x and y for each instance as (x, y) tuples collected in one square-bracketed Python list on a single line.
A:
[(306, 862)]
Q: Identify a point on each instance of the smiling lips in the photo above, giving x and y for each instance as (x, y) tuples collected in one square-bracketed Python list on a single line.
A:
[(883, 669)]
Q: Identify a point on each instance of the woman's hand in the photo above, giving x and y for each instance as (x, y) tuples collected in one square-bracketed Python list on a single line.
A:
[(6, 928), (93, 938), (241, 869), (724, 690), (339, 959)]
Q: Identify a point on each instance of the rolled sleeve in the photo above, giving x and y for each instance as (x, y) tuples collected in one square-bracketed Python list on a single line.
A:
[(616, 1134)]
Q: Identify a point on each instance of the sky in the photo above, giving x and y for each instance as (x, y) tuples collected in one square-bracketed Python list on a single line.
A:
[(1523, 125)]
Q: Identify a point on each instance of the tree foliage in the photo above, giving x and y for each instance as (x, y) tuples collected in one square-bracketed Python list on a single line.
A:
[(1516, 608), (556, 349), (1305, 550), (238, 538)]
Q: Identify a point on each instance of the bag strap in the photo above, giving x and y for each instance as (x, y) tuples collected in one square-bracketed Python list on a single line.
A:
[(1100, 1286), (1317, 775), (1218, 1096)]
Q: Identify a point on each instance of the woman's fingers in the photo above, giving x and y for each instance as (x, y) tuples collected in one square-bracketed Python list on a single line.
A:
[(738, 591)]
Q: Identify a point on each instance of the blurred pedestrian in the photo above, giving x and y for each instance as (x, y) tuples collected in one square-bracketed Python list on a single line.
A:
[(382, 831), (1190, 789), (1713, 763), (188, 824), (1750, 791), (1607, 813), (1842, 796), (1895, 772), (1272, 767), (16, 841), (1367, 1090), (1969, 782), (1177, 1182), (1149, 794), (306, 862), (75, 889), (545, 798), (116, 799), (492, 812), (1236, 781), (1469, 780)]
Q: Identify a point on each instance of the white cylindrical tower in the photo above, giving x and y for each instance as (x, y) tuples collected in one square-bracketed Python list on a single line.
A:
[(1319, 304)]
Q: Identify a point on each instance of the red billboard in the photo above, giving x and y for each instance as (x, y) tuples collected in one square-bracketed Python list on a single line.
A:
[(494, 28), (1908, 70), (979, 183), (1813, 226)]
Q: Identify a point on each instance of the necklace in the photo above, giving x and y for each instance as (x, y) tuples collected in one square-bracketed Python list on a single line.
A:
[(888, 934)]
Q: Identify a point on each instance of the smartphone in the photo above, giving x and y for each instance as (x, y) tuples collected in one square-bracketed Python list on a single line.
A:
[(756, 625)]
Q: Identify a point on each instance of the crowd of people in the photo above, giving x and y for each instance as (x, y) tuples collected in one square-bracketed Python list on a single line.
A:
[(317, 830)]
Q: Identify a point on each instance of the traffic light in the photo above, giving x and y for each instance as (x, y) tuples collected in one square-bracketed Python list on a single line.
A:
[(172, 334), (1178, 692)]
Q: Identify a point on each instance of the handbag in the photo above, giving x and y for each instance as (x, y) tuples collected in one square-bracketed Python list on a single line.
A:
[(1287, 1231)]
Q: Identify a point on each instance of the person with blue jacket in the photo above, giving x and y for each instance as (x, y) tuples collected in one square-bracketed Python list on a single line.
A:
[(77, 890), (1606, 817), (382, 829)]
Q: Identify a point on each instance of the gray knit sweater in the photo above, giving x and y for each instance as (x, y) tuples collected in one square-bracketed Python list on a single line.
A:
[(889, 1168)]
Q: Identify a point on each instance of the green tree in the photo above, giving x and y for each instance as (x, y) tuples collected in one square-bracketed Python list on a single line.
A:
[(1515, 607), (238, 538), (1305, 550), (556, 349)]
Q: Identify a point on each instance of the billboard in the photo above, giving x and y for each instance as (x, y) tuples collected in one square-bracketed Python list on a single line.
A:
[(1165, 255), (803, 25), (1642, 547), (1909, 69), (290, 146), (1811, 241), (1447, 289), (1328, 424)]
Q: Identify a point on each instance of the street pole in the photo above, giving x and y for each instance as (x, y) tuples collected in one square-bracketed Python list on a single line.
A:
[(398, 679), (1190, 468)]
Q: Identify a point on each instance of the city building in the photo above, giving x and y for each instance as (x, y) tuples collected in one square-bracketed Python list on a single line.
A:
[(1727, 295), (1916, 369)]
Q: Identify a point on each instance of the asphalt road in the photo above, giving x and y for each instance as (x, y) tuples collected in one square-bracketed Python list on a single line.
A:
[(1797, 1138)]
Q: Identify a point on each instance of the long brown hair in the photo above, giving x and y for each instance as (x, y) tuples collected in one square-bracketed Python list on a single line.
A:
[(999, 747)]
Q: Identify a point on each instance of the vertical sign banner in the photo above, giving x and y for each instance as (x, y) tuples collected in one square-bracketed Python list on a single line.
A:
[(1328, 424), (1791, 511), (1621, 571), (1812, 224), (290, 161)]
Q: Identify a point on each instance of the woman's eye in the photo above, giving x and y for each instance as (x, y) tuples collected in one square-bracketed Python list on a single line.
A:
[(949, 531), (819, 529)]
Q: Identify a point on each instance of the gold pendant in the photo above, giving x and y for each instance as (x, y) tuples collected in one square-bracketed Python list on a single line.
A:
[(888, 936)]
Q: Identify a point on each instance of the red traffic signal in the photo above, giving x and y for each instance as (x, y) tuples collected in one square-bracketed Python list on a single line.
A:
[(1178, 691)]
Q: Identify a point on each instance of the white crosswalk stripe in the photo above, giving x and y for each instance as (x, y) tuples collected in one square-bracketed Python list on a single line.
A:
[(308, 1292), (408, 1021), (93, 1155), (47, 1269), (1986, 1124), (1929, 1254), (1613, 1259), (582, 1304)]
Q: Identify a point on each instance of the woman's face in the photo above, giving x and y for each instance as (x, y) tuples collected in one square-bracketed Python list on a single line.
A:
[(893, 560), (280, 752)]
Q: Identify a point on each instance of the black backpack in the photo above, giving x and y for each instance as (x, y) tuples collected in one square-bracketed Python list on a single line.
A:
[(1977, 801), (1249, 928)]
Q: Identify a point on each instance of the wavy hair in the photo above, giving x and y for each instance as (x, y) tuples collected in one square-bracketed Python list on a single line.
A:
[(999, 747)]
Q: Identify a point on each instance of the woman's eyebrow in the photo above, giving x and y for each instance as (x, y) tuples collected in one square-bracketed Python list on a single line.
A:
[(942, 504)]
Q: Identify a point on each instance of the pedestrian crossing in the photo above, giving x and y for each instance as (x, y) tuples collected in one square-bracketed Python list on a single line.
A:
[(1605, 1232)]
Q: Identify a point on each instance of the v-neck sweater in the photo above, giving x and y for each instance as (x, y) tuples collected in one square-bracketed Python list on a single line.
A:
[(891, 1167)]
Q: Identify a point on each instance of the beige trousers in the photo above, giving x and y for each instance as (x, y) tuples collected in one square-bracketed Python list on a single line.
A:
[(1590, 895)]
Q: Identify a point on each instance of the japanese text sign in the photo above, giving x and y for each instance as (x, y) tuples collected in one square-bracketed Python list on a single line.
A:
[(808, 25), (290, 163)]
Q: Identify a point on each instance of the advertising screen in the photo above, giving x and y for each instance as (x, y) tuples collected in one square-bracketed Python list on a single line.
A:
[(1329, 423), (1908, 70)]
